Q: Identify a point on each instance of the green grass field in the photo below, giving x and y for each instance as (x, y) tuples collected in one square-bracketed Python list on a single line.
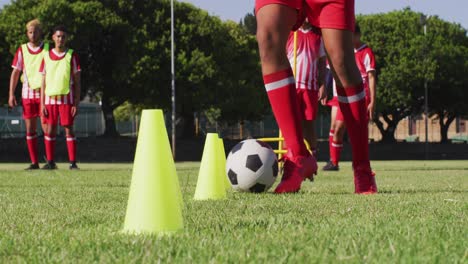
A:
[(419, 216)]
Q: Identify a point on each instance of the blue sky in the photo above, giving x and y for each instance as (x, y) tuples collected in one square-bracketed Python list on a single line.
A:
[(450, 10)]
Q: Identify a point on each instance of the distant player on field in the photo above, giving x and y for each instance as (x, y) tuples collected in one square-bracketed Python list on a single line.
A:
[(365, 61), (60, 95), (275, 20), (310, 69), (27, 60)]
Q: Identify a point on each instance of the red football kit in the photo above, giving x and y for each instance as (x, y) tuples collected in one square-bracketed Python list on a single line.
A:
[(337, 14), (281, 87), (59, 106), (365, 61), (31, 98), (309, 50)]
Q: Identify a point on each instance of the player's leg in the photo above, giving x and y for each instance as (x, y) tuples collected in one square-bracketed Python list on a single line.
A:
[(43, 125), (31, 140), (30, 114), (337, 143), (309, 103), (336, 19), (332, 129), (351, 98), (335, 140), (50, 134), (71, 146), (274, 22), (330, 166), (67, 120)]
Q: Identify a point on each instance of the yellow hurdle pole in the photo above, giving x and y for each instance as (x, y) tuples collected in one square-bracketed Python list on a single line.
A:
[(273, 139)]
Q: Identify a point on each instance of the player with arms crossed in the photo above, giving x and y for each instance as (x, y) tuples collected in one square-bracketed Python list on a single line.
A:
[(60, 95), (365, 61), (28, 59), (275, 19), (309, 66)]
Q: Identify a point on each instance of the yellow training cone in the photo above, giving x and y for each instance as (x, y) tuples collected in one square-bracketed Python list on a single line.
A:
[(154, 203), (222, 164), (210, 184)]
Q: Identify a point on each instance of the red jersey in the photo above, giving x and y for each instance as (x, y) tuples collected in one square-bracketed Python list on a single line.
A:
[(18, 63), (310, 49), (75, 67), (365, 60)]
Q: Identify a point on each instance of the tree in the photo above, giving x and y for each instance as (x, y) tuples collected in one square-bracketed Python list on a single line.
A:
[(397, 41), (249, 23), (242, 90), (4, 69), (447, 46), (124, 47), (216, 62)]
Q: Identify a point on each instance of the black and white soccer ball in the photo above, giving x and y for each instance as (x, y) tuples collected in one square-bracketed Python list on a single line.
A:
[(252, 166)]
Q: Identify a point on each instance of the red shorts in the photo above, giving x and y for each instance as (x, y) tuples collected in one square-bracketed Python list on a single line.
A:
[(308, 103), (336, 14), (31, 108), (334, 103), (58, 111)]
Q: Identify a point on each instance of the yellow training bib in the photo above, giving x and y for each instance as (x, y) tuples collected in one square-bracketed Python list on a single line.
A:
[(32, 63), (58, 74)]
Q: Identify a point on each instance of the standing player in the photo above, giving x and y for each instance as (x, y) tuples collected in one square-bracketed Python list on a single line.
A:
[(365, 61), (60, 95), (275, 19), (28, 59), (309, 67)]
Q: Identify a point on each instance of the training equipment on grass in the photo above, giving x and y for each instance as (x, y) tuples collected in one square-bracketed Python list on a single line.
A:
[(155, 199), (222, 164), (252, 166), (211, 182)]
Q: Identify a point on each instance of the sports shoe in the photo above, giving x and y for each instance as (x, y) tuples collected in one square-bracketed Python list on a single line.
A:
[(296, 170), (331, 167), (73, 166), (50, 165), (364, 181), (33, 166)]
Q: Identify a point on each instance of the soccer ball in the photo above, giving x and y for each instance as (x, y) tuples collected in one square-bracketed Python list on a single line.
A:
[(252, 166)]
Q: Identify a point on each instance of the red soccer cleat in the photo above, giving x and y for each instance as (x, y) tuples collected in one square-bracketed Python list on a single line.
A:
[(364, 182), (296, 170)]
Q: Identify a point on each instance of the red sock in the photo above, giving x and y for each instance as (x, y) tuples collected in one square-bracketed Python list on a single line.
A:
[(31, 140), (330, 141), (336, 148), (49, 142), (71, 146), (353, 106), (281, 89)]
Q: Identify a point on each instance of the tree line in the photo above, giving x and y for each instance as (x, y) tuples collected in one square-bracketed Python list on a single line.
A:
[(124, 46)]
